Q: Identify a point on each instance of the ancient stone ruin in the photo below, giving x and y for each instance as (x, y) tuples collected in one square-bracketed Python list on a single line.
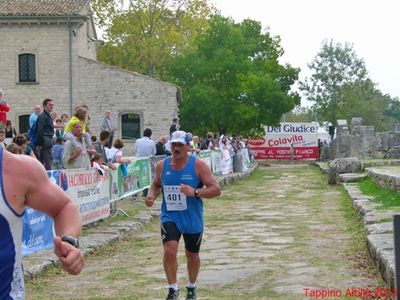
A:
[(363, 142)]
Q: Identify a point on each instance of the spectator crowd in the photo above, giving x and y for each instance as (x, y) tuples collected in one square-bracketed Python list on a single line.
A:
[(67, 142)]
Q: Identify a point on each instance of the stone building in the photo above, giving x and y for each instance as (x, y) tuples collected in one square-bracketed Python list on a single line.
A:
[(48, 50)]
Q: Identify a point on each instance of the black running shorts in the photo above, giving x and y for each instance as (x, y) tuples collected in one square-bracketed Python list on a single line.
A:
[(170, 232)]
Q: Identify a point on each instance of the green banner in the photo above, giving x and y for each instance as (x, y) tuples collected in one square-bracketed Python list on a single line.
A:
[(138, 177), (206, 156), (216, 162)]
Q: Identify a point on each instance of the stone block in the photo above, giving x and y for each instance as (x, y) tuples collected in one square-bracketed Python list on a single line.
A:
[(348, 165), (351, 177), (394, 139), (382, 141), (376, 217), (380, 228), (341, 123), (367, 130), (356, 121), (325, 153)]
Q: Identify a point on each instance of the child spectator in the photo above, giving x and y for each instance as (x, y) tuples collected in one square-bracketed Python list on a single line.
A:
[(64, 119), (58, 128), (97, 162), (114, 155), (2, 135), (10, 132), (58, 152), (21, 141), (14, 148)]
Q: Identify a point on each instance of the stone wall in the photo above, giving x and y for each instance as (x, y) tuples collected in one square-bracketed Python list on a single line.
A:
[(363, 142), (121, 92), (100, 86), (50, 45)]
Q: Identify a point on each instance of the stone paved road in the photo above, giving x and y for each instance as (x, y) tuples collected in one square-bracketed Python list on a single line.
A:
[(268, 237)]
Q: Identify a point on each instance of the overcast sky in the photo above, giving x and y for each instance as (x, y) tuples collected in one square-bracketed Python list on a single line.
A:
[(372, 26)]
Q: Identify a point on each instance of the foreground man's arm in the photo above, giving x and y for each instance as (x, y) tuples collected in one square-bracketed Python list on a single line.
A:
[(29, 181)]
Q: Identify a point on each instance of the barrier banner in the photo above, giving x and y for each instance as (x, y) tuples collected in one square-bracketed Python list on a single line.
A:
[(138, 178), (216, 162), (226, 162), (154, 160), (114, 192), (90, 191), (246, 163), (206, 157), (37, 232), (277, 142)]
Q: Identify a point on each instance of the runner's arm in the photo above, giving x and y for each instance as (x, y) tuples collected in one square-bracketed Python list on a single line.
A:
[(45, 196), (212, 188), (155, 188)]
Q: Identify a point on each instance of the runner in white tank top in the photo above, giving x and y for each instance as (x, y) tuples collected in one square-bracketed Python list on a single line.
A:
[(24, 182)]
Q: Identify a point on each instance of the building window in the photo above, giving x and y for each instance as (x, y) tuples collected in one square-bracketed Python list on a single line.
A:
[(27, 67), (24, 123), (130, 124)]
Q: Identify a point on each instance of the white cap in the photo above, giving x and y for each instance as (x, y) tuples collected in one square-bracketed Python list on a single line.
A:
[(178, 136)]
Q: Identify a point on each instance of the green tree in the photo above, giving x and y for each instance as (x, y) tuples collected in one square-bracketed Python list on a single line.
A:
[(392, 111), (334, 66), (105, 10), (149, 33), (363, 99), (299, 115), (232, 80)]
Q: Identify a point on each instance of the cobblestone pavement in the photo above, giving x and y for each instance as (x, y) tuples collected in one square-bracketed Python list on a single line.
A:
[(281, 234)]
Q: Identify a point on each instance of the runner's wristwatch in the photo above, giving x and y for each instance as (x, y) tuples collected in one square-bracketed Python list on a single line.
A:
[(71, 240), (196, 193)]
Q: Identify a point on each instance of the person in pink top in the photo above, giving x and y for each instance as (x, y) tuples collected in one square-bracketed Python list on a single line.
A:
[(4, 108)]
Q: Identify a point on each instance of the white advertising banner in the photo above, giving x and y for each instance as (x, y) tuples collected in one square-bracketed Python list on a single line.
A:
[(278, 141), (90, 191), (226, 162)]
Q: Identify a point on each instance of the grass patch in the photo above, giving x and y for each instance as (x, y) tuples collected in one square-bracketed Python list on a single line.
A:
[(354, 226), (386, 197), (132, 208)]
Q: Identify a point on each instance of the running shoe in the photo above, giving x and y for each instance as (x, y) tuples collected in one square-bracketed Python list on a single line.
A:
[(191, 293), (173, 294)]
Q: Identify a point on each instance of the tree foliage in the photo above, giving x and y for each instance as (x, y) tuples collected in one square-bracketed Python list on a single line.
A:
[(232, 79), (334, 67), (149, 33), (363, 99), (299, 115), (392, 111)]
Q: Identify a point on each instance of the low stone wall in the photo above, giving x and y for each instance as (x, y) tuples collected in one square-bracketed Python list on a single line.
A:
[(342, 166), (386, 178), (379, 227), (378, 223)]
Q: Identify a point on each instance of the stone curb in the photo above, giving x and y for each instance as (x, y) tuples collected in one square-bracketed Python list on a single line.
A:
[(39, 262), (379, 232), (380, 243)]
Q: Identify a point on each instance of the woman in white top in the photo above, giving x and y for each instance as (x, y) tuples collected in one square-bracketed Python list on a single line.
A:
[(114, 155)]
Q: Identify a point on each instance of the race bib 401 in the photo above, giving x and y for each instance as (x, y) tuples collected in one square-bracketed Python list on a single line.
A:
[(174, 198)]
